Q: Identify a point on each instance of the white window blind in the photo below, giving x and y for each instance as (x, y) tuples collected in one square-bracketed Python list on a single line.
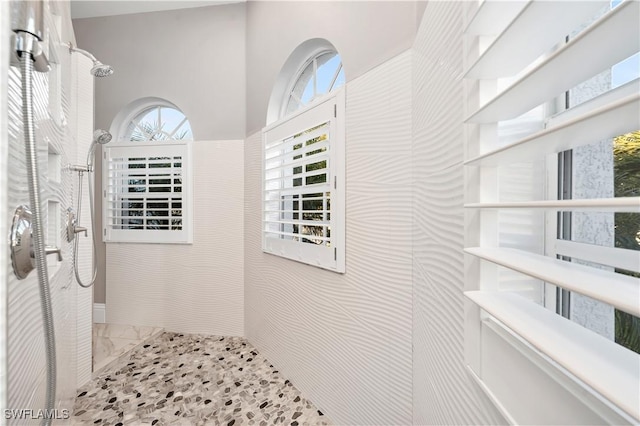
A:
[(147, 193), (520, 70), (303, 210)]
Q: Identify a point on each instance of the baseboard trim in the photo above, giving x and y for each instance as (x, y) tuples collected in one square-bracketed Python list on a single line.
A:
[(99, 313)]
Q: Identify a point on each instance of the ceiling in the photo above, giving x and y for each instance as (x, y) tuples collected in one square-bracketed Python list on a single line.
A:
[(94, 8)]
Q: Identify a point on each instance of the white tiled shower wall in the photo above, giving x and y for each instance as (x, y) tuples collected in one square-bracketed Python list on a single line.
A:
[(443, 392), (4, 151), (63, 132), (189, 288), (345, 339)]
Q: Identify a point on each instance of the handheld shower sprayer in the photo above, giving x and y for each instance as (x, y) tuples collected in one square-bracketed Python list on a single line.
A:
[(99, 69), (100, 137)]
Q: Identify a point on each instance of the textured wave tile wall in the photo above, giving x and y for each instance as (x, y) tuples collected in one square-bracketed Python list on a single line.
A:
[(345, 340), (443, 392), (26, 364), (82, 110), (195, 288), (4, 230)]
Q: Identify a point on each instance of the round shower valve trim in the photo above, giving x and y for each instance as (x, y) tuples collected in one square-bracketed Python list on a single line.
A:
[(21, 243)]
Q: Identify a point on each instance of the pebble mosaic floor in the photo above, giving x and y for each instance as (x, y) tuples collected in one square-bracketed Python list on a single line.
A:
[(178, 379)]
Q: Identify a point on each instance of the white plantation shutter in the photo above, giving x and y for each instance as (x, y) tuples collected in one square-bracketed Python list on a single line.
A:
[(147, 193), (521, 48), (303, 184)]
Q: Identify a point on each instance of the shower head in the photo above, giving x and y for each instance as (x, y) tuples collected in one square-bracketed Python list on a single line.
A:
[(99, 69), (100, 137)]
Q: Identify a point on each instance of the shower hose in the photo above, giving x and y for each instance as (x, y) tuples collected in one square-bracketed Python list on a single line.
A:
[(93, 232), (26, 66)]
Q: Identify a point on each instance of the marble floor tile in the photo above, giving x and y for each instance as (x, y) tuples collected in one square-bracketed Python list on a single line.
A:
[(177, 379), (111, 341), (124, 331)]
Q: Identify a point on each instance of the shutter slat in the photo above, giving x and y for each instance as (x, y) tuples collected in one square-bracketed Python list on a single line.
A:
[(607, 98), (288, 144), (493, 16), (297, 211), (290, 234), (616, 118), (139, 197), (278, 200), (622, 204), (612, 256), (303, 190), (592, 51), (620, 291), (300, 162), (524, 39), (288, 156), (611, 370), (300, 222)]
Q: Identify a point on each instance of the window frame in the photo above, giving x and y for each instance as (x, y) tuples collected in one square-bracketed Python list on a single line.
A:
[(288, 75), (329, 108), (151, 236), (136, 119), (122, 120), (293, 82), (486, 306)]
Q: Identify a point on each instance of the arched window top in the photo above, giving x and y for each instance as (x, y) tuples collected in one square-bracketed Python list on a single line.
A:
[(312, 70), (321, 74), (152, 119), (159, 123)]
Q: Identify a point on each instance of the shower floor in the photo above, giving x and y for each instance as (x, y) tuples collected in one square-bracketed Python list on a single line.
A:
[(178, 379)]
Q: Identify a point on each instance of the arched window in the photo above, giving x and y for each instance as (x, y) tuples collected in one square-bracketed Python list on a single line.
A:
[(313, 70), (303, 164), (321, 74), (159, 123), (152, 119), (147, 175)]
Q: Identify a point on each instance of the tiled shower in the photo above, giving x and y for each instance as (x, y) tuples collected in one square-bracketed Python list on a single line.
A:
[(217, 330)]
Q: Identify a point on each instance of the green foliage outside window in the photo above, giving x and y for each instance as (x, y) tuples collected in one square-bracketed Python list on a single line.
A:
[(626, 164)]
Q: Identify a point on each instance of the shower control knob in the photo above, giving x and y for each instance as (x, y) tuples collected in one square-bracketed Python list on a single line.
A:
[(51, 250), (72, 225), (78, 229), (21, 243)]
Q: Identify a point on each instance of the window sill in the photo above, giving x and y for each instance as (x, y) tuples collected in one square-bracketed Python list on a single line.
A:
[(603, 366)]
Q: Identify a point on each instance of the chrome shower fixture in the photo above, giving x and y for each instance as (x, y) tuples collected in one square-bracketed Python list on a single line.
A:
[(99, 69), (27, 23), (100, 137)]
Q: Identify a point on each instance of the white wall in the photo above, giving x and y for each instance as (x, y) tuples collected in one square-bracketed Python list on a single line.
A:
[(194, 58), (81, 101), (4, 181), (194, 288), (443, 392), (56, 127), (365, 33), (345, 339)]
